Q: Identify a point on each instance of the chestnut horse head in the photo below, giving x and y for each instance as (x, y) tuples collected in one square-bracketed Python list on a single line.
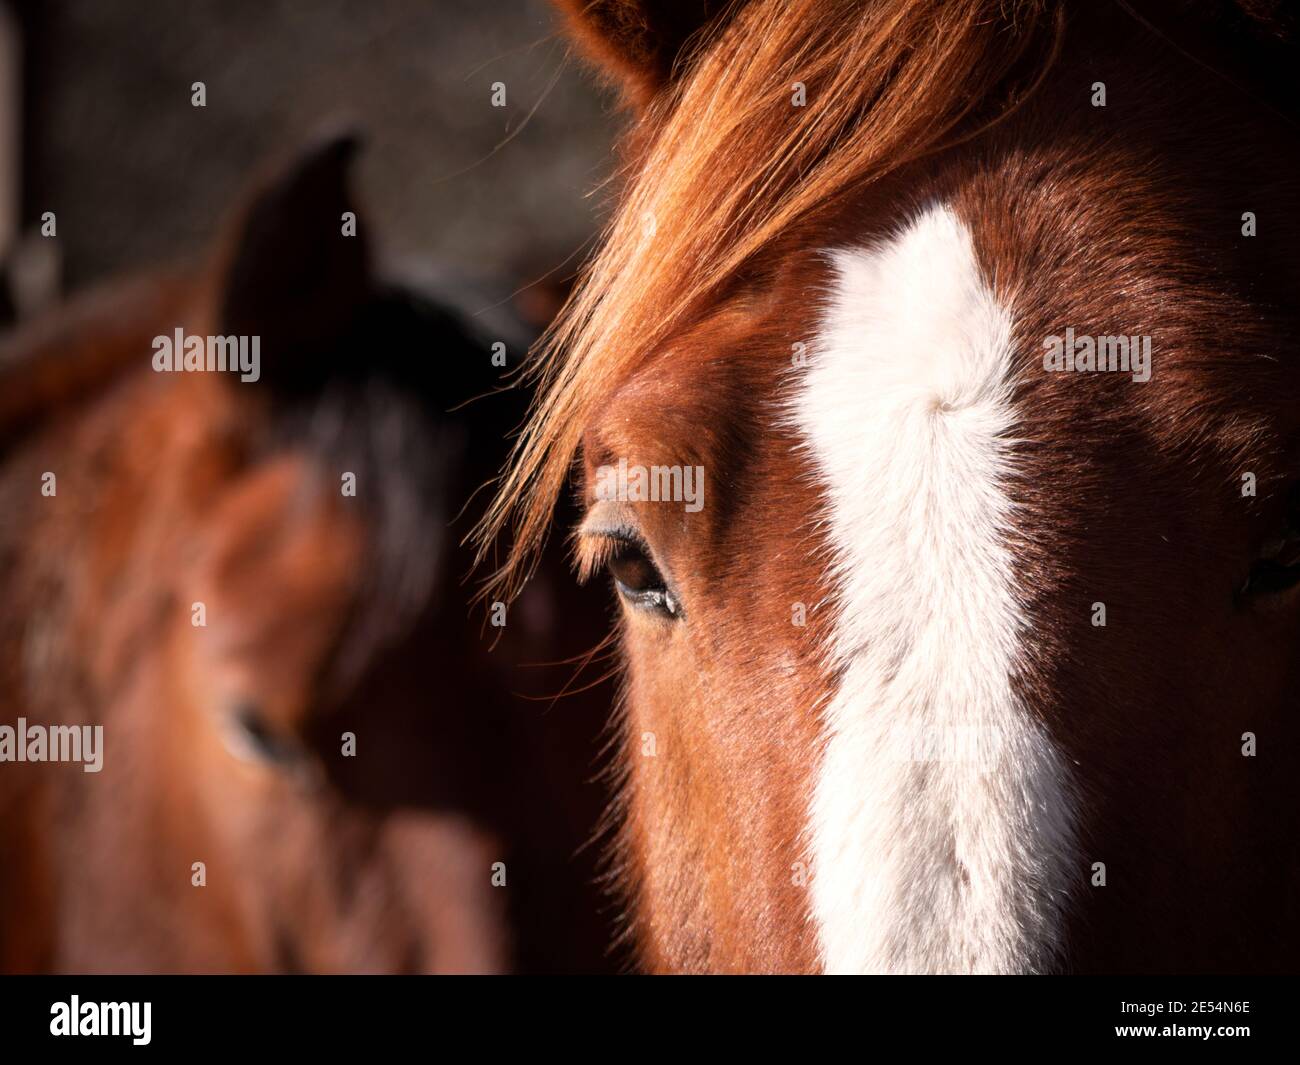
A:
[(936, 401), (249, 579)]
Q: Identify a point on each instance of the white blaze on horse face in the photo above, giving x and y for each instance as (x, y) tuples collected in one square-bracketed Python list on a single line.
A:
[(942, 822)]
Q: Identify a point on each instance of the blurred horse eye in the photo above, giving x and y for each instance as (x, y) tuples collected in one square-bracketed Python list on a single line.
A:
[(249, 737), (639, 581)]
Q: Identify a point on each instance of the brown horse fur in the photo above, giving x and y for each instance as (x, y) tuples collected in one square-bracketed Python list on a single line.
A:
[(324, 614), (676, 350)]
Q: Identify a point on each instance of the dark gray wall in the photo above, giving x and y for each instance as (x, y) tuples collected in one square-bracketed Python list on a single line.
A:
[(137, 174)]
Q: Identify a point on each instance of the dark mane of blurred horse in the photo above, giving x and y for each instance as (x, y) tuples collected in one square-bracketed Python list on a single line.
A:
[(323, 613)]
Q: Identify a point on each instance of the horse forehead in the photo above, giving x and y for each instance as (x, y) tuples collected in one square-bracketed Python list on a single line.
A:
[(918, 826), (910, 380), (906, 411), (932, 327)]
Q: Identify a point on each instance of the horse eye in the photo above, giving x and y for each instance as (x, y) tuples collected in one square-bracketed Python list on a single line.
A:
[(248, 736), (1278, 565), (639, 581), (1276, 571)]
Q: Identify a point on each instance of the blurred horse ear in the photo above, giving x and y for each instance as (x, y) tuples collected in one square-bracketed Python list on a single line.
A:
[(294, 268), (638, 43)]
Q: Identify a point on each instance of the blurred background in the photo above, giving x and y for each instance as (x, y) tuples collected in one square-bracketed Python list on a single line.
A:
[(99, 127), (467, 831)]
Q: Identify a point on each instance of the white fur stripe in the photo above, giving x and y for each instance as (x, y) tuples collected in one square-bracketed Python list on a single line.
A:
[(943, 819)]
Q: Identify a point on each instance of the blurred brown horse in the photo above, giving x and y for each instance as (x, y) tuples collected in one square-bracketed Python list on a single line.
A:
[(313, 759)]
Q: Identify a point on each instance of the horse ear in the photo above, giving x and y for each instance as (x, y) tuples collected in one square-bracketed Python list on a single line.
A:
[(639, 42), (294, 268)]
